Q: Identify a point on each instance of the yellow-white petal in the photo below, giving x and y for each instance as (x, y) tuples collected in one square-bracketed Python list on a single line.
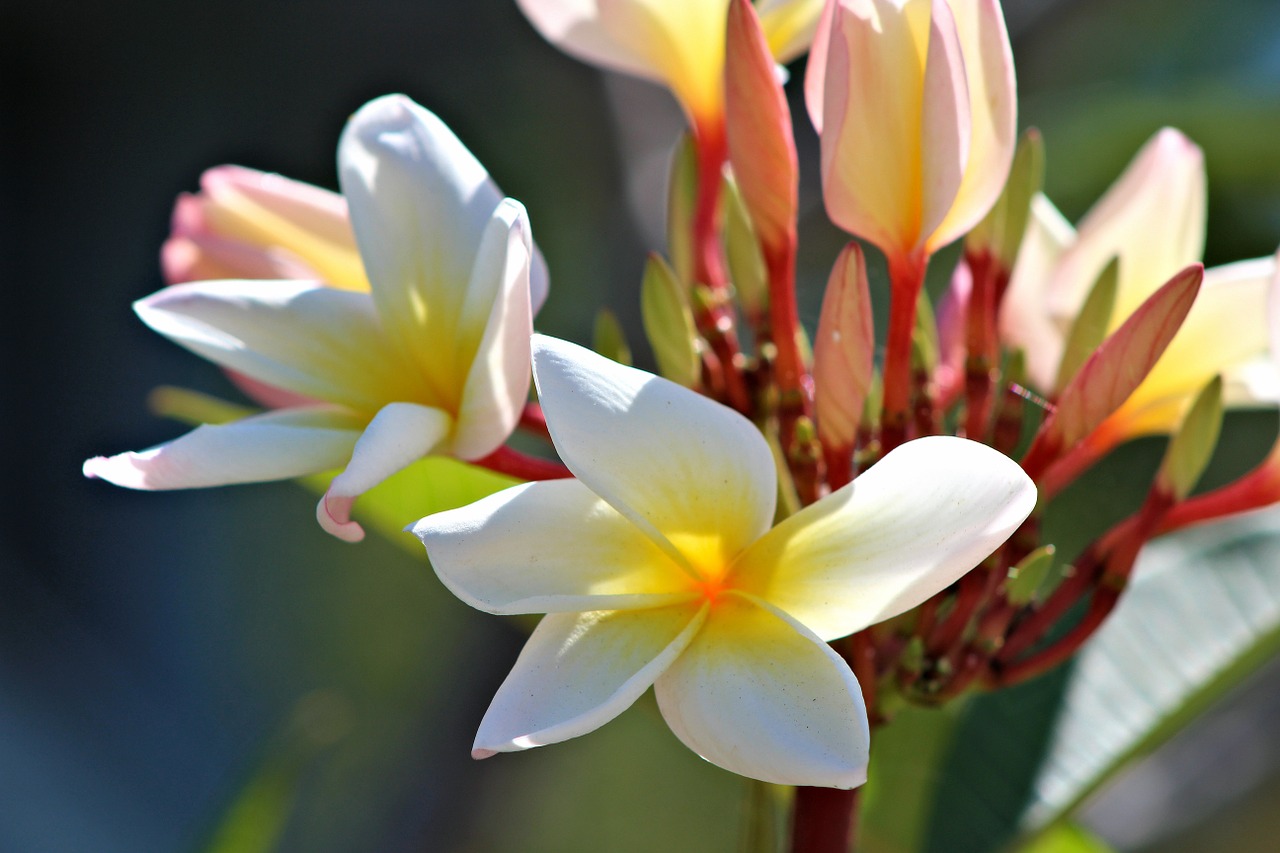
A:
[(1025, 318), (1226, 332), (399, 435), (690, 472), (676, 42), (921, 517), (497, 382), (789, 25), (1152, 218), (992, 115), (272, 446), (580, 670), (758, 694), (316, 341), (871, 118), (548, 547), (945, 132), (420, 205)]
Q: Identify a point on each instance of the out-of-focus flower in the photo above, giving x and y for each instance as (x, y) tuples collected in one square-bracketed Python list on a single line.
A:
[(1152, 220), (916, 105), (679, 43), (433, 359), (658, 566), (249, 224)]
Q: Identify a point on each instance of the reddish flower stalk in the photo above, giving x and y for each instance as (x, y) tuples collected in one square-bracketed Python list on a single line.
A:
[(989, 281), (522, 466), (906, 276)]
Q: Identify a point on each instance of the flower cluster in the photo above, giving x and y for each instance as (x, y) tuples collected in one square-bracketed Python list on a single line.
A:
[(775, 537)]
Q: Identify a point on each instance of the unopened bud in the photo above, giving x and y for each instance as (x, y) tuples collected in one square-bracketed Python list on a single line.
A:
[(1192, 445), (668, 324)]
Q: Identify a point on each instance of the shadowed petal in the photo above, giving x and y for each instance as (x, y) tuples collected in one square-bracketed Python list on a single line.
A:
[(758, 694), (272, 446), (580, 670), (921, 517), (497, 383), (547, 547), (301, 336)]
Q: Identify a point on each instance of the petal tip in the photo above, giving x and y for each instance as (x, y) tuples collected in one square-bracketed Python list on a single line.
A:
[(334, 515), (480, 754)]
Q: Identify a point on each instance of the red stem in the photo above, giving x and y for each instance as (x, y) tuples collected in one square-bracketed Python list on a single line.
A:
[(823, 820), (513, 463), (980, 342), (906, 277)]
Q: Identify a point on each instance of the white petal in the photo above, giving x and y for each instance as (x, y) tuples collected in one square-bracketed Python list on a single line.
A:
[(924, 515), (316, 341), (686, 469), (400, 434), (420, 204), (272, 446), (1152, 218), (497, 384), (547, 547), (580, 670), (758, 694)]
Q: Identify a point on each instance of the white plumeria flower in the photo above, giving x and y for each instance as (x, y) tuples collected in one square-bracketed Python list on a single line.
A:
[(434, 359), (658, 566)]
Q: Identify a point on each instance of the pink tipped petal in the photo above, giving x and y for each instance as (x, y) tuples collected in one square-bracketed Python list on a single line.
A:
[(1025, 318), (272, 446), (312, 209), (1152, 218), (580, 670), (303, 337), (992, 115), (205, 257), (497, 383), (548, 547), (590, 30), (665, 457), (945, 132), (759, 695), (400, 434), (919, 519)]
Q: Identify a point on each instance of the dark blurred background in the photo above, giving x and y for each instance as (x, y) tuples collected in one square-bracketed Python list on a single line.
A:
[(208, 670)]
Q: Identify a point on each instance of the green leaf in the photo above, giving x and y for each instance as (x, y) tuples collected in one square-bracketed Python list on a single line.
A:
[(742, 250), (1193, 444), (1000, 232), (1202, 612)]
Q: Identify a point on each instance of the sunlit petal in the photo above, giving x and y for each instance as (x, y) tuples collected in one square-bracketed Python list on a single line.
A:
[(921, 517), (548, 547), (684, 468), (580, 670), (758, 694)]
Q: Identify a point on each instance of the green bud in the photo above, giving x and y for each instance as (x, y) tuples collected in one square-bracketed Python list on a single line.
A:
[(668, 324), (608, 339), (1192, 445), (1000, 233), (682, 194), (1027, 578), (1091, 324), (742, 250)]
